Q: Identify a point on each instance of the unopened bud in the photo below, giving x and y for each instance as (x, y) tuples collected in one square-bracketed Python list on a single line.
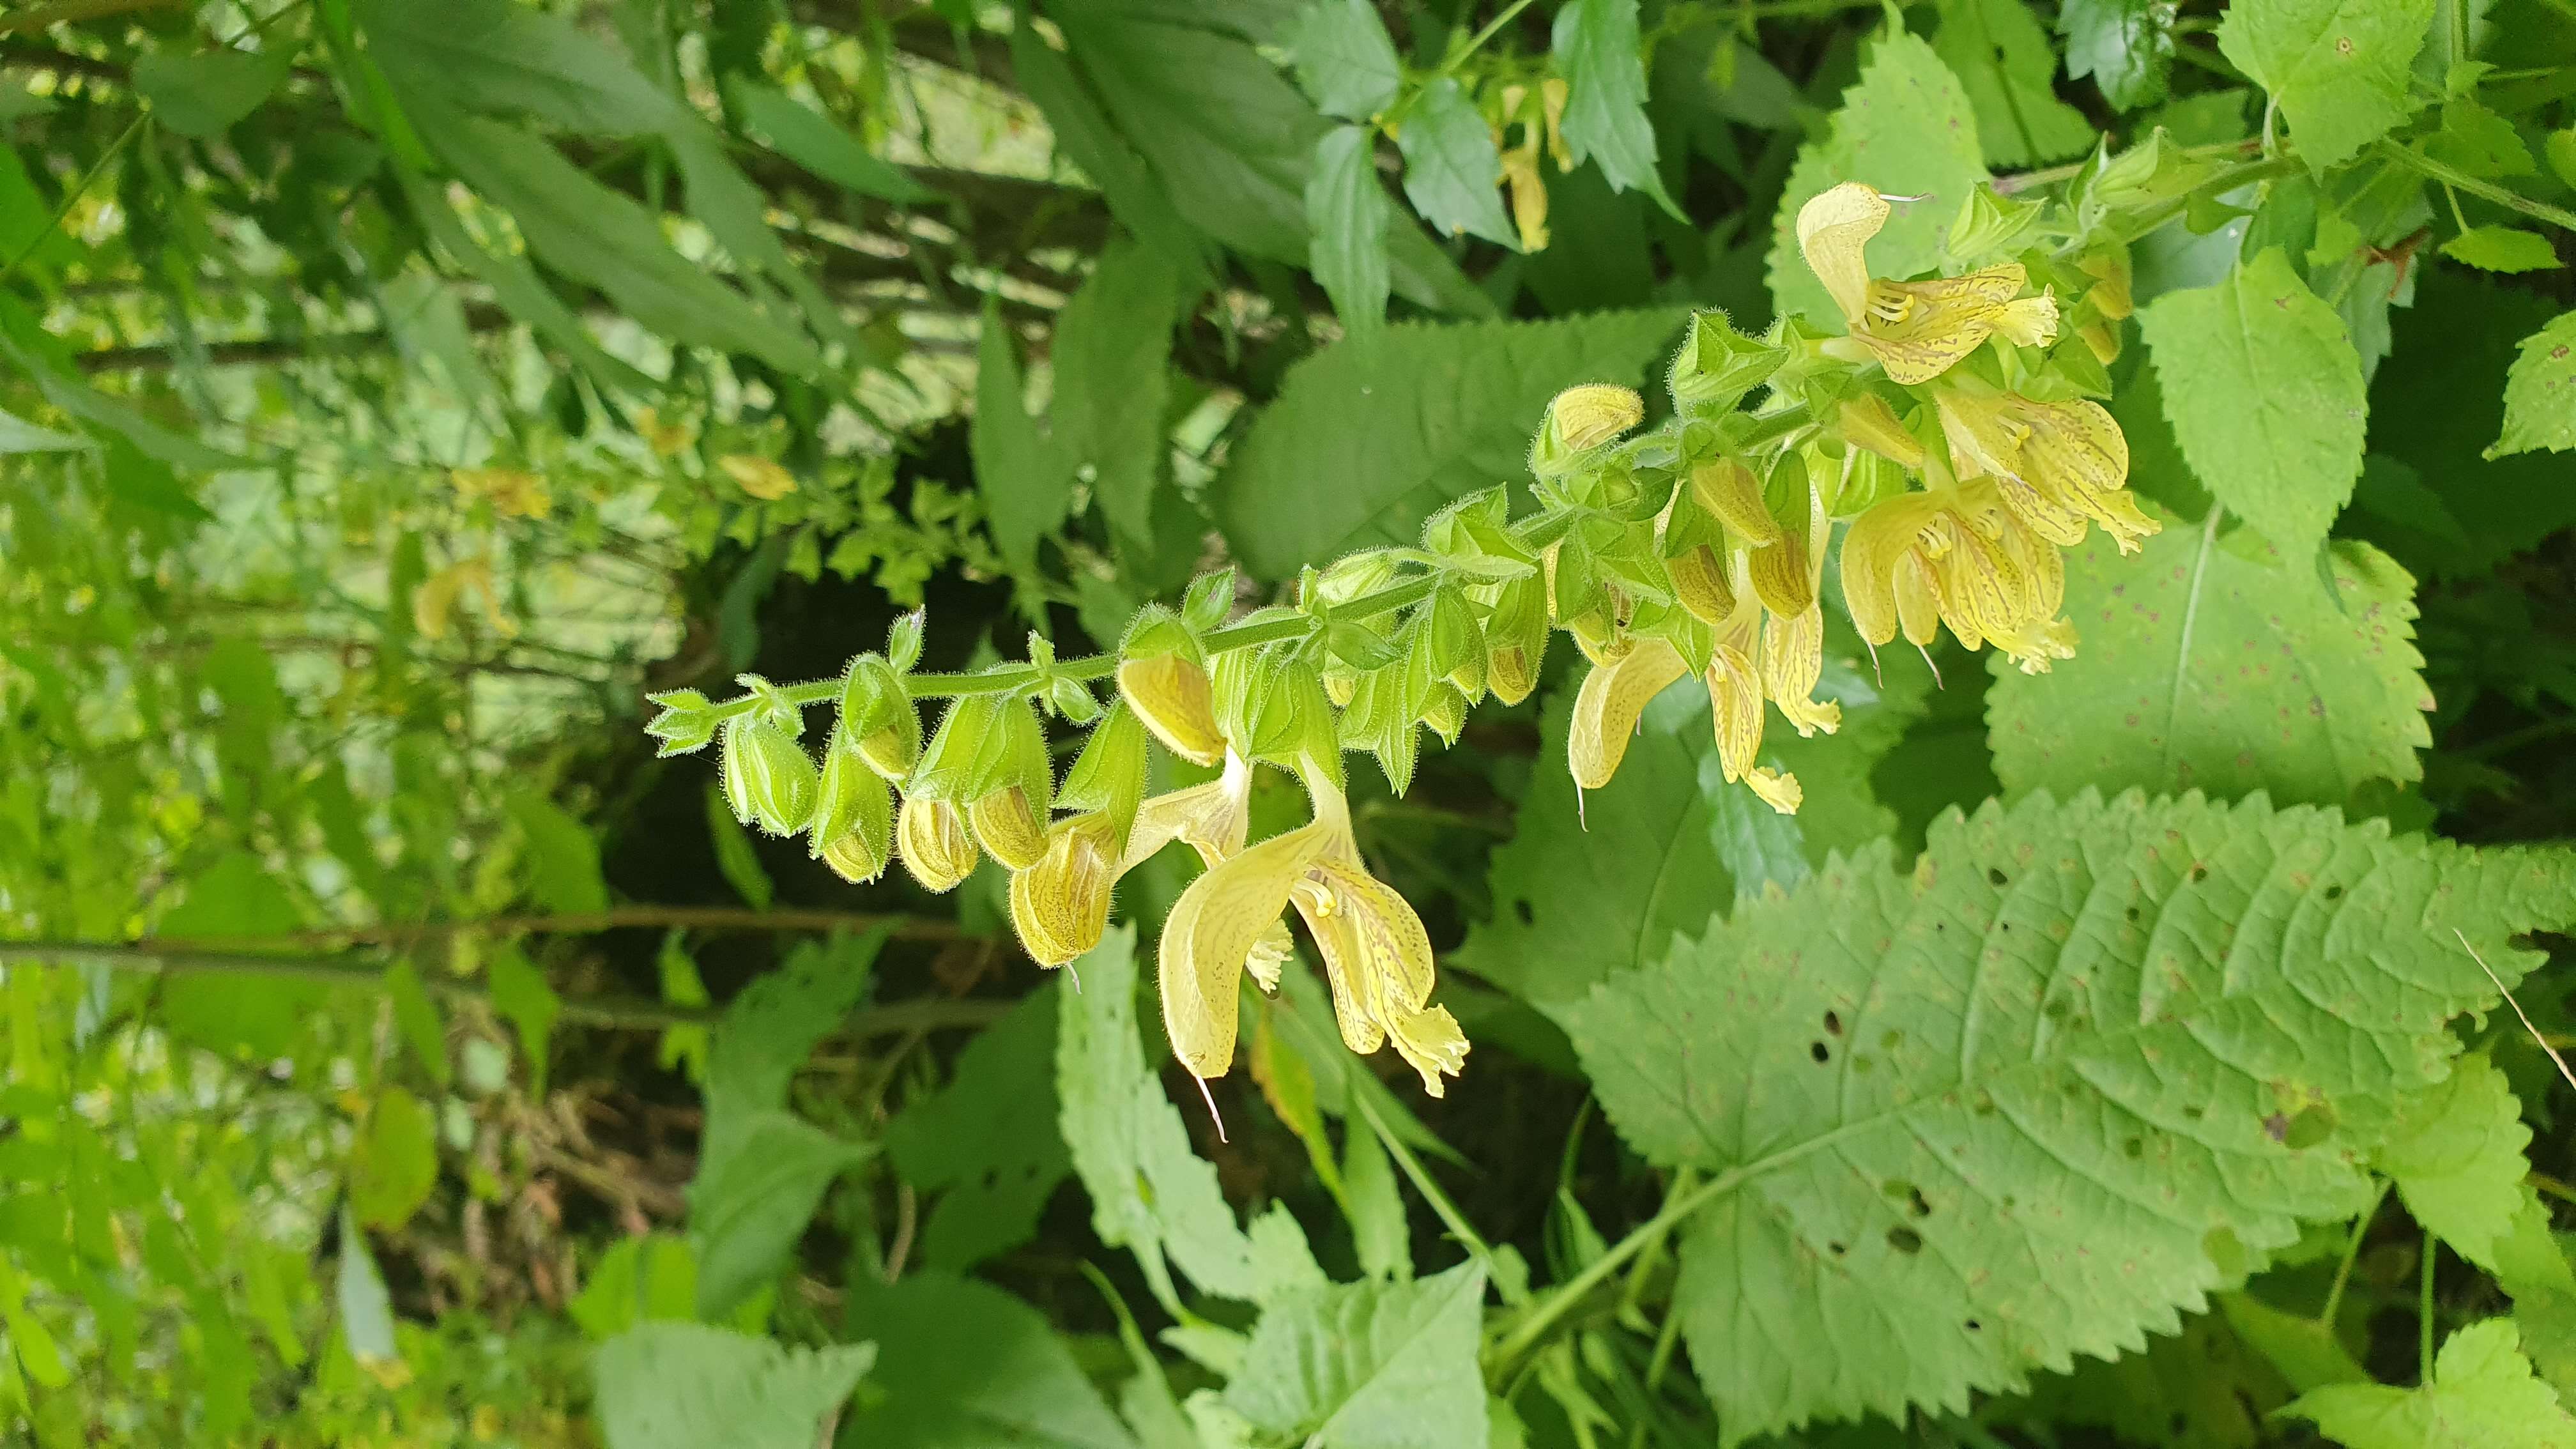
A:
[(1718, 365), (1006, 824), (934, 844), (1453, 648), (685, 723), (1866, 421), (1108, 777), (878, 714), (1162, 680), (854, 818), (1060, 905), (1516, 635), (1699, 584), (1581, 419), (1989, 226), (1729, 490), (769, 780), (1446, 714)]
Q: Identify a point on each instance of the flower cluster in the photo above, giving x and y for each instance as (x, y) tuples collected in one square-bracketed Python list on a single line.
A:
[(1947, 432)]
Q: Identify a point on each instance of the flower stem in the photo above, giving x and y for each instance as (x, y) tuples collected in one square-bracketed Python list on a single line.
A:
[(1441, 1206), (1534, 1324)]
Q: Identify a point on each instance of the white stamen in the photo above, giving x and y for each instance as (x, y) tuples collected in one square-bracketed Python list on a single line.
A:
[(1210, 1098), (1935, 668)]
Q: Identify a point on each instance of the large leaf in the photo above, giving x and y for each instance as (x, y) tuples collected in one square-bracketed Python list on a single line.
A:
[(1597, 50), (394, 1162), (2201, 668), (2483, 1396), (987, 1143), (2338, 68), (2456, 1156), (1026, 482), (562, 855), (1149, 1191), (776, 1022), (1422, 416), (202, 95), (964, 1364), (1451, 168), (1906, 129), (754, 1193), (2004, 62), (686, 1385), (1113, 349), (1230, 139), (1346, 60), (1370, 1365), (259, 1019), (816, 142), (2265, 395), (1346, 206), (2540, 392), (1967, 1122)]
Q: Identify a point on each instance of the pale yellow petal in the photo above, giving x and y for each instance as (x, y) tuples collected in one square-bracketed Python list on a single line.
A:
[(1007, 828), (1171, 694), (1779, 790), (933, 842), (1060, 906), (1212, 929), (1430, 1043), (1728, 489), (760, 477), (1833, 232), (1607, 707)]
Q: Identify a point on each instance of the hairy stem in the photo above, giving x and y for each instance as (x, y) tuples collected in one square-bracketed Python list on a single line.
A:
[(2484, 190)]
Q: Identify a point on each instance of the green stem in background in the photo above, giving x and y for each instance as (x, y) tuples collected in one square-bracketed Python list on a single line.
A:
[(1447, 1211), (2351, 1252), (1525, 1332), (2484, 190), (2424, 1318), (1477, 41)]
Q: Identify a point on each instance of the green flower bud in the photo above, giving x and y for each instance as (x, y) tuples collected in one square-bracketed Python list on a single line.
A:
[(1446, 714), (685, 724), (878, 714), (1452, 642), (1717, 366), (1989, 228), (1108, 777), (1516, 635), (936, 849), (769, 780), (1163, 678), (1580, 420), (1010, 784), (854, 817)]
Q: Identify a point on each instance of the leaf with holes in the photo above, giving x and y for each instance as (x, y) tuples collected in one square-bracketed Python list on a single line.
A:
[(2204, 668), (2338, 68), (1968, 1122)]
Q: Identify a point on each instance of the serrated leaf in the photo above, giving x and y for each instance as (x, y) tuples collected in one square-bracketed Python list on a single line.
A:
[(1905, 128), (2483, 1396), (1025, 478), (2265, 395), (1348, 212), (2200, 668), (1598, 51), (1370, 1365), (2456, 1155), (1112, 362), (963, 1363), (2127, 47), (1149, 1192), (1451, 169), (203, 95), (2502, 249), (683, 1385), (774, 1024), (816, 142), (987, 1142), (1969, 1121), (2305, 1351), (2338, 68), (1423, 416), (2004, 62), (1345, 60), (2202, 1388), (755, 1190), (2540, 392)]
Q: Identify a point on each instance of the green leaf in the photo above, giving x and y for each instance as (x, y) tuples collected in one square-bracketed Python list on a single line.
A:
[(683, 1385), (2533, 1269), (816, 142), (2305, 1351), (517, 287), (1905, 128), (1026, 482), (504, 59), (2502, 249), (1084, 133), (1370, 1365), (1403, 427), (394, 1162), (2338, 68), (2540, 392), (1345, 59), (416, 1018), (1229, 138), (1347, 209), (1112, 365), (526, 1000), (203, 95), (562, 856), (1149, 1192), (736, 858), (2265, 395), (2127, 47), (259, 1019), (605, 239), (2456, 1153), (774, 1024), (366, 1308), (756, 1189), (2004, 62), (2202, 1388), (2476, 140), (647, 1279), (2203, 669), (963, 1363), (1451, 170), (987, 1142), (2069, 1026), (1598, 52), (2483, 1396), (17, 435)]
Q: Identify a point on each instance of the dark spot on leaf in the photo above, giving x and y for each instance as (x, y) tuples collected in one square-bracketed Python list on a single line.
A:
[(1904, 1239), (2133, 913), (2313, 1125), (1818, 1051), (1833, 1024), (2334, 893), (2136, 1147), (1528, 916), (2199, 872), (2277, 1127), (1995, 877), (2194, 1113), (1974, 1325), (1917, 1204), (1836, 1249)]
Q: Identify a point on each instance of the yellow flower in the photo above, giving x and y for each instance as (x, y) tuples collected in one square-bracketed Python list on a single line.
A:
[(1962, 557), (1606, 708), (1061, 904), (1915, 330), (665, 439), (760, 477), (2055, 463), (1171, 694), (1376, 953), (934, 844)]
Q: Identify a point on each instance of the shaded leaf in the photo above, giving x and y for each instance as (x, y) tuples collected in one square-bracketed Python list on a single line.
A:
[(683, 1385), (1451, 169), (2004, 62), (562, 856), (203, 95), (963, 1363), (1345, 60), (2540, 392), (819, 144), (2127, 47), (2456, 1153), (1348, 211), (987, 1142), (394, 1162), (2483, 1396), (1370, 1365), (756, 1189)]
